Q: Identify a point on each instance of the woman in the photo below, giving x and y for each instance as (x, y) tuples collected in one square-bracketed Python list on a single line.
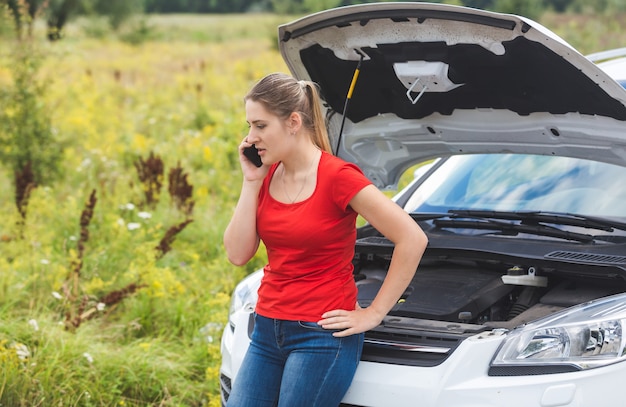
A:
[(303, 203)]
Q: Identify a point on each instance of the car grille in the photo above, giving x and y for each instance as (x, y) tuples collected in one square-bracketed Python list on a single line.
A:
[(405, 343), (225, 387), (408, 349)]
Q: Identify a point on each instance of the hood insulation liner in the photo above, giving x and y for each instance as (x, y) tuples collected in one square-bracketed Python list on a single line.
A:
[(525, 79)]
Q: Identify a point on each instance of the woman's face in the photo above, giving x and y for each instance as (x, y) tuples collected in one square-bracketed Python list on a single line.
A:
[(268, 132)]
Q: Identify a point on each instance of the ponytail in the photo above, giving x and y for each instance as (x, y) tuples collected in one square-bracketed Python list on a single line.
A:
[(282, 95), (319, 133)]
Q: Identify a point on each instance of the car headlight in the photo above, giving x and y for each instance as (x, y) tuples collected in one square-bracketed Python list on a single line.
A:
[(583, 337), (245, 295)]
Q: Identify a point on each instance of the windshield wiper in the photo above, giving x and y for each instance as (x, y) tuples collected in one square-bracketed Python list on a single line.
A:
[(512, 229), (537, 217), (419, 216)]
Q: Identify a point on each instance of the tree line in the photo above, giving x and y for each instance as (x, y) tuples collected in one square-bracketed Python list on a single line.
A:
[(306, 6), (58, 12)]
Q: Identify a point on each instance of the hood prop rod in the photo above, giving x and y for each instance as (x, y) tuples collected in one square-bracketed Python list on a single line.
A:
[(355, 76)]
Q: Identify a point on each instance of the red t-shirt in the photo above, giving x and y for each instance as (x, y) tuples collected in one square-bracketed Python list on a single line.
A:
[(310, 245)]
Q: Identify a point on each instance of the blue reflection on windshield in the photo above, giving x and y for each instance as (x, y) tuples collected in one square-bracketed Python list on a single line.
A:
[(511, 182)]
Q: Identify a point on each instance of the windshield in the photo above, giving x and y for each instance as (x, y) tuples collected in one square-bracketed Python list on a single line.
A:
[(512, 182)]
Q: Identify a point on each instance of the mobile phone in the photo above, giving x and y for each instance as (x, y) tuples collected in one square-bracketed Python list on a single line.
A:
[(252, 154)]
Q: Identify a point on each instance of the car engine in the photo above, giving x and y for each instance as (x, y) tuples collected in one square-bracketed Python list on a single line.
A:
[(492, 294)]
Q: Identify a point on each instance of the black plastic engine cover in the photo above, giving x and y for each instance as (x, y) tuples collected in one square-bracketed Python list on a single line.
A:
[(440, 293)]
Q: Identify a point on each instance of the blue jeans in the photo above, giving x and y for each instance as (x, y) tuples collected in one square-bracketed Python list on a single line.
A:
[(295, 364)]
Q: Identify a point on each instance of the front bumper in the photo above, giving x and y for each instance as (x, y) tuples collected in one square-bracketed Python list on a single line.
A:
[(460, 381)]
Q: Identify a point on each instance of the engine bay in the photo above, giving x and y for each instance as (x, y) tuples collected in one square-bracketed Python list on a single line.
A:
[(494, 295)]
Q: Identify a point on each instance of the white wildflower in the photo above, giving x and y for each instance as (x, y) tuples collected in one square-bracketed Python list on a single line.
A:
[(22, 351), (57, 295), (44, 261), (121, 222), (84, 164), (100, 306), (88, 357), (133, 226), (129, 206), (144, 215), (209, 331), (34, 324)]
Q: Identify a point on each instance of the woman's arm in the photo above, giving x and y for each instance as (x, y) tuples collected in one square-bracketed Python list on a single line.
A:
[(241, 239), (410, 242)]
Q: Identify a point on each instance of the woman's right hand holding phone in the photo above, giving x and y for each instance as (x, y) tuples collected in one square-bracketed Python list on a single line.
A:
[(251, 164)]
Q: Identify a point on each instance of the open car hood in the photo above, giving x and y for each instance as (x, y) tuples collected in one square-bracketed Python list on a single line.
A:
[(436, 80)]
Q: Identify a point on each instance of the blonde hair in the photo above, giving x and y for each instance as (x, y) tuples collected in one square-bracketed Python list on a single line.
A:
[(282, 94)]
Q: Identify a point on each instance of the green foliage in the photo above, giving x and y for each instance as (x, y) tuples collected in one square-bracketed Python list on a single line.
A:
[(607, 7), (118, 11), (302, 6), (138, 32), (27, 136), (113, 103), (41, 364), (7, 24), (307, 6), (532, 9)]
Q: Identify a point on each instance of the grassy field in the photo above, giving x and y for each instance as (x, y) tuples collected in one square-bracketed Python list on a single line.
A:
[(127, 308)]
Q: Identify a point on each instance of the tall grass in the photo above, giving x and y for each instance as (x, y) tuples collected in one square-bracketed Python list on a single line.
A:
[(176, 93)]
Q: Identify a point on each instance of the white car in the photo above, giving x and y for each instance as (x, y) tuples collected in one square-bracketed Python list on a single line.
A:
[(520, 299)]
